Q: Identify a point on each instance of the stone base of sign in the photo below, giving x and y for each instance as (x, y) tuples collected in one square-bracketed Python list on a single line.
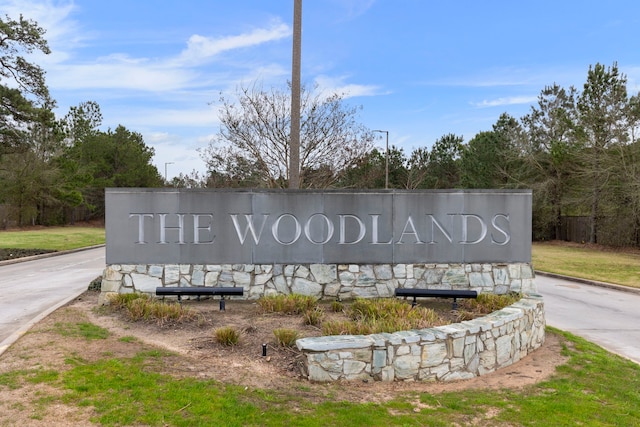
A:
[(453, 352), (328, 281)]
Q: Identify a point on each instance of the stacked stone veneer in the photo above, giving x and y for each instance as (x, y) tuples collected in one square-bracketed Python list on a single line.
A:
[(343, 281), (458, 351)]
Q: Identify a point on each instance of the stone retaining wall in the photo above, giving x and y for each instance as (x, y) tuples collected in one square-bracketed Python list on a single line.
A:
[(453, 352), (345, 281)]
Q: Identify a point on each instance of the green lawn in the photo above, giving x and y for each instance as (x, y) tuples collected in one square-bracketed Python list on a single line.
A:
[(54, 238), (617, 267), (594, 388)]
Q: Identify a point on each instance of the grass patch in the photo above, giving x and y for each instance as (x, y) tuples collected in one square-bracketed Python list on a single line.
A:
[(285, 337), (593, 388), (337, 306), (371, 316), (86, 330), (617, 267), (142, 307), (54, 238), (485, 304), (313, 316), (287, 304), (227, 336)]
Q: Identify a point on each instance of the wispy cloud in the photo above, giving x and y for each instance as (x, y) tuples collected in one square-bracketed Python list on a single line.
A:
[(120, 72), (201, 49), (331, 85), (353, 8), (498, 102), (512, 76)]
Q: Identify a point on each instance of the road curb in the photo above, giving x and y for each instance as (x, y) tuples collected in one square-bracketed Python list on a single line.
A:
[(589, 282), (48, 255)]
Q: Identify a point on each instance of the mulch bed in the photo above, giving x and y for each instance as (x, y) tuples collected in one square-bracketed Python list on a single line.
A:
[(6, 254)]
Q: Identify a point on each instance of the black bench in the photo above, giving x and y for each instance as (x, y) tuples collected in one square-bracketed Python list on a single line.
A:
[(198, 291), (436, 293)]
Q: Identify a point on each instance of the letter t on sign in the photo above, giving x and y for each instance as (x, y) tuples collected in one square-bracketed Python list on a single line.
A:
[(141, 218)]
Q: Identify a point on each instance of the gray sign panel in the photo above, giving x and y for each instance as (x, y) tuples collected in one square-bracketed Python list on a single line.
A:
[(181, 226)]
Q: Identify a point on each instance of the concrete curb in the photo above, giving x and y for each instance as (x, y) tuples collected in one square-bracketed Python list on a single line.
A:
[(590, 282), (47, 255)]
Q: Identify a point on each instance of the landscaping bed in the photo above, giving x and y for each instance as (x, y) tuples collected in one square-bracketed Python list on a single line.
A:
[(8, 253)]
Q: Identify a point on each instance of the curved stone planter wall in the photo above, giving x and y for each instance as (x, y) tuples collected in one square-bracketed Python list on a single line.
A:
[(453, 352), (344, 281)]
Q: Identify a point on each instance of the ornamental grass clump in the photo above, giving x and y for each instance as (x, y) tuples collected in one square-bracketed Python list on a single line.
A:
[(142, 307), (337, 306), (287, 304), (285, 337), (371, 316), (313, 316), (485, 304), (227, 336)]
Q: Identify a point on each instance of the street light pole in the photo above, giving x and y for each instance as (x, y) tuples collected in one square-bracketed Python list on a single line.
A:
[(294, 143), (165, 170), (386, 160)]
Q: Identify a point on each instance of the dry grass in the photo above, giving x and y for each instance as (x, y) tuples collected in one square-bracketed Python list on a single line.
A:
[(143, 307)]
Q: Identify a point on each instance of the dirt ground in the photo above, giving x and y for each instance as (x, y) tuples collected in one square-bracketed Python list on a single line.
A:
[(196, 354)]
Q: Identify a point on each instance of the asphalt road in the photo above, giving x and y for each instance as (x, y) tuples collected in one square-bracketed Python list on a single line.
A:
[(31, 290), (607, 317)]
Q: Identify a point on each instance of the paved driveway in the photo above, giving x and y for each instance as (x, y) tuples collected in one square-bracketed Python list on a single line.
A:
[(607, 317), (31, 290)]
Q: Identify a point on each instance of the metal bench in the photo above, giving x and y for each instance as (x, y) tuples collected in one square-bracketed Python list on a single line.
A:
[(436, 293), (199, 291)]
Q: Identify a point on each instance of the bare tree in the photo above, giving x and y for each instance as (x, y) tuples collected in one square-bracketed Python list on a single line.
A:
[(255, 130)]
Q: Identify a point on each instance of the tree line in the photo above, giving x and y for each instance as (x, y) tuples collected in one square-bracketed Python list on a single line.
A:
[(54, 171), (576, 149)]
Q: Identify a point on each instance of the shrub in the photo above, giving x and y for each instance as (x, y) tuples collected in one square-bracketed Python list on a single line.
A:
[(227, 336), (95, 284), (285, 337)]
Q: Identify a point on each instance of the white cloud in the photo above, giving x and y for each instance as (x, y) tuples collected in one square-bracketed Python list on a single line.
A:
[(200, 49), (353, 8), (498, 102), (331, 85), (205, 117), (119, 72), (175, 154)]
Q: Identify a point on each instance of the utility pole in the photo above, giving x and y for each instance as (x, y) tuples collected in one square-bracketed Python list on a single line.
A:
[(165, 169), (294, 144)]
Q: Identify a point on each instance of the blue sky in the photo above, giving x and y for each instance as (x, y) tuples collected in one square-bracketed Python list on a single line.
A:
[(420, 69)]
